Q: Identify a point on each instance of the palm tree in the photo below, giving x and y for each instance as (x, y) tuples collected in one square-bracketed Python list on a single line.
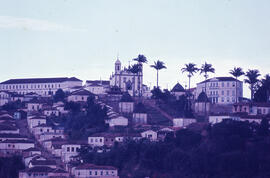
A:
[(252, 80), (134, 69), (141, 59), (266, 84), (237, 72), (158, 65), (204, 70), (190, 68)]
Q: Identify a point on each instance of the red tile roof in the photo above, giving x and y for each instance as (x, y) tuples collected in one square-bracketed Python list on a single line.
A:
[(93, 166)]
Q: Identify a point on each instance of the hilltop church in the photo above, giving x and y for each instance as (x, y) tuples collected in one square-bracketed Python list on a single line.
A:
[(126, 80)]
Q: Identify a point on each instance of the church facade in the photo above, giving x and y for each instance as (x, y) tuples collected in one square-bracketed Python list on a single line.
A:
[(126, 80)]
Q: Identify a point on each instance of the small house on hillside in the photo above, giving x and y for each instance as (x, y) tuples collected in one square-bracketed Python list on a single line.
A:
[(126, 104)]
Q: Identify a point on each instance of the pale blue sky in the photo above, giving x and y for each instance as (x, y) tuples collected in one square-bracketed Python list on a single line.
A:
[(53, 38)]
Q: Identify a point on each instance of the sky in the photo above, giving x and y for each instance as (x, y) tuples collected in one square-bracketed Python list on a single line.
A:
[(82, 38)]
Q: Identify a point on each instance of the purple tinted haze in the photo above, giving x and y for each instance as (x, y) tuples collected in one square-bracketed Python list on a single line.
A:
[(82, 37)]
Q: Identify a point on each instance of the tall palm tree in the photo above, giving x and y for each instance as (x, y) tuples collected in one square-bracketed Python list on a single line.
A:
[(141, 59), (237, 72), (206, 68), (158, 65), (134, 69), (190, 68), (266, 83), (252, 80)]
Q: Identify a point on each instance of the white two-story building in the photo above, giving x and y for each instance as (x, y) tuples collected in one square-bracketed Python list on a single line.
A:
[(221, 90)]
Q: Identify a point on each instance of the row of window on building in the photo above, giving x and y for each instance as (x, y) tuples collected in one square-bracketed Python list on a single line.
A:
[(223, 93), (29, 86), (101, 173), (223, 84), (222, 100)]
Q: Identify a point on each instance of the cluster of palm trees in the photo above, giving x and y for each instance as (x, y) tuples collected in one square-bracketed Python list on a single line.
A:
[(206, 68), (138, 68)]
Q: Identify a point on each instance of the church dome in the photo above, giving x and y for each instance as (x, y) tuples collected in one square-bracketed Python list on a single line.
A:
[(202, 98)]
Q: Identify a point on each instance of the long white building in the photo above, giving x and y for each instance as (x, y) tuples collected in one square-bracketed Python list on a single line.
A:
[(221, 90), (41, 86)]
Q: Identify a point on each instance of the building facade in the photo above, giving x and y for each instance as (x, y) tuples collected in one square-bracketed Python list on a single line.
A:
[(126, 80), (41, 86), (221, 90)]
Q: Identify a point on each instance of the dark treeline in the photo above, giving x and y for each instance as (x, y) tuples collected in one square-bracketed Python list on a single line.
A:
[(10, 167), (231, 149)]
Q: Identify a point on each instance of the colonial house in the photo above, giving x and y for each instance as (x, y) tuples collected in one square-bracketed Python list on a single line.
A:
[(50, 135), (126, 104), (105, 139), (91, 170), (42, 128), (15, 146), (252, 108), (69, 150), (126, 80), (41, 86), (221, 90), (183, 122), (217, 118), (98, 87), (117, 121), (80, 95), (35, 121), (43, 172)]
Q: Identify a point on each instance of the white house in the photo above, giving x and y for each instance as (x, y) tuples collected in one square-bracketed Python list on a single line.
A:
[(149, 134), (69, 150), (183, 122), (48, 135), (217, 118), (15, 146), (91, 170), (221, 90), (117, 121), (126, 104), (79, 95), (98, 87), (35, 121)]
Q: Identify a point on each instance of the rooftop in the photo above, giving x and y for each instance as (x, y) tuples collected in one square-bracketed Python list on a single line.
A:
[(220, 79), (40, 80), (178, 88), (93, 166), (82, 92)]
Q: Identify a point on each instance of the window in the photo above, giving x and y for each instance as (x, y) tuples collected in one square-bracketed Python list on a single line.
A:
[(91, 140), (228, 99), (72, 149), (100, 140), (95, 172), (77, 149), (222, 92), (68, 149), (90, 172), (228, 84), (228, 92)]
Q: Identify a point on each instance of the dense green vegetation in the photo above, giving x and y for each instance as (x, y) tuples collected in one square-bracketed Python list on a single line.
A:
[(10, 167), (231, 149), (83, 119)]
